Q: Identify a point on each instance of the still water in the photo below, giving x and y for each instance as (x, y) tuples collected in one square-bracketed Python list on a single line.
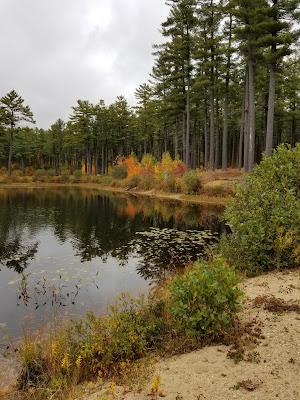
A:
[(65, 251)]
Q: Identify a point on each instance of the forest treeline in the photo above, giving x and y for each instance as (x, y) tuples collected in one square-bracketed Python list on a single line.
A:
[(224, 89)]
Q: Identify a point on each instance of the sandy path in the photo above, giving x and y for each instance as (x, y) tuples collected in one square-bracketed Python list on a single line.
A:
[(210, 374)]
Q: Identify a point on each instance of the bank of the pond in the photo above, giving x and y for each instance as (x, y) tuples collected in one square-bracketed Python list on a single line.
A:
[(268, 369), (264, 363), (201, 198)]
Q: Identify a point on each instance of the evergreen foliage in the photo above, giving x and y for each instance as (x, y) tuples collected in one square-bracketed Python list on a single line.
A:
[(223, 89), (264, 215)]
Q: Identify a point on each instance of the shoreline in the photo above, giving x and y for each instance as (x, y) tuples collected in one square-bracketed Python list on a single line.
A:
[(180, 197), (268, 369)]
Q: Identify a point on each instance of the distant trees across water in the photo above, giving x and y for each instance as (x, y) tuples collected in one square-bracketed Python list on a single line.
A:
[(224, 88)]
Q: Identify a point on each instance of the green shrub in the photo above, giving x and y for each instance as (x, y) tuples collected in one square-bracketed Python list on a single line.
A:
[(50, 172), (64, 178), (40, 175), (168, 182), (3, 171), (119, 171), (40, 172), (95, 345), (133, 182), (18, 172), (146, 182), (77, 173), (264, 215), (191, 182), (204, 299), (105, 180)]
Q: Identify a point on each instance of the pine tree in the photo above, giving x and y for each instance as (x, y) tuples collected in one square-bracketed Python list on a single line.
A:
[(249, 28), (14, 111), (279, 36)]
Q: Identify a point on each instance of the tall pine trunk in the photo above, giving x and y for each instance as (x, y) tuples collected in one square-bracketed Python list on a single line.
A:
[(206, 147), (187, 135), (226, 102), (246, 123), (251, 112), (217, 139), (10, 151), (271, 106), (242, 129), (212, 130)]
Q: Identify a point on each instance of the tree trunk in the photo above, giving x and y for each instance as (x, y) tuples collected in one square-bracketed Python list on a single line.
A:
[(10, 152), (176, 140), (187, 135), (212, 130), (251, 113), (206, 144), (246, 124), (22, 166), (89, 162), (217, 139), (102, 159), (226, 103), (241, 140), (271, 106), (183, 137)]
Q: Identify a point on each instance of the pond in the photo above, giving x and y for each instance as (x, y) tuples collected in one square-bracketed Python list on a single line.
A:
[(66, 251)]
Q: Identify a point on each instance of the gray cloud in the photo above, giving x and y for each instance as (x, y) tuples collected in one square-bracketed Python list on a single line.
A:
[(54, 52)]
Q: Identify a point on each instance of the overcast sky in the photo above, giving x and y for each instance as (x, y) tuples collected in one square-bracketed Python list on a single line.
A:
[(54, 52)]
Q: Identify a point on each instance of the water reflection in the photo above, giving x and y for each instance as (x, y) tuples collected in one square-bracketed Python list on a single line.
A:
[(16, 255), (63, 248)]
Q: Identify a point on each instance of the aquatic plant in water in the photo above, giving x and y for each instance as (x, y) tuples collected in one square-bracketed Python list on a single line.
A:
[(163, 250)]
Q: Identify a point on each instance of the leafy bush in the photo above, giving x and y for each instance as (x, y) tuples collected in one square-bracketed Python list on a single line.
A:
[(133, 182), (3, 171), (65, 177), (77, 174), (148, 163), (29, 171), (264, 215), (50, 172), (168, 182), (203, 300), (40, 172), (191, 182), (102, 345), (147, 182), (18, 172), (198, 303), (119, 171)]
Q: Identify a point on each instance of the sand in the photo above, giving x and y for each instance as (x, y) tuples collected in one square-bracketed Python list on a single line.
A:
[(209, 373)]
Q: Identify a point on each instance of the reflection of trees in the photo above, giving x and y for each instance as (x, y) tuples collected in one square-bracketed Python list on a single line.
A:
[(97, 225), (16, 256)]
